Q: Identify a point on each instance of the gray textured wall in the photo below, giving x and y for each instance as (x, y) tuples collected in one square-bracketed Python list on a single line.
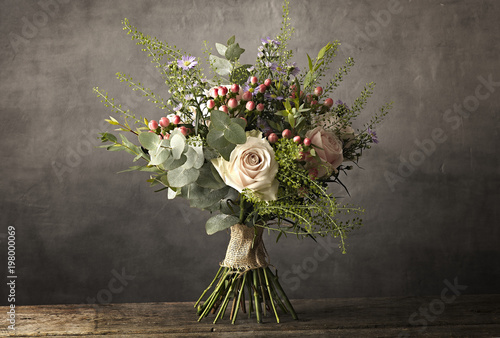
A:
[(430, 215)]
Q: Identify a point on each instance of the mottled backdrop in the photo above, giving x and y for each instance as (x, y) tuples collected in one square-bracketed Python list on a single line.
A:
[(87, 234)]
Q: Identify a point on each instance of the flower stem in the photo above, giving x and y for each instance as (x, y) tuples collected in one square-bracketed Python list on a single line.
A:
[(271, 296), (256, 296), (285, 298), (241, 291), (213, 281)]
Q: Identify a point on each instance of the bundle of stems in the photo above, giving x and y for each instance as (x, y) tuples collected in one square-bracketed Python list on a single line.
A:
[(260, 288)]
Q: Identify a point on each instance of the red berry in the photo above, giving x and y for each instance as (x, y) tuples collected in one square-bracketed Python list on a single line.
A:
[(262, 88), (211, 104), (164, 122), (224, 109), (314, 102), (318, 91), (247, 96), (287, 133), (153, 125), (260, 107), (244, 119), (267, 82), (214, 92), (235, 88), (297, 139), (307, 142), (250, 105), (272, 138), (222, 90), (183, 130), (254, 79), (166, 136), (232, 103), (176, 119), (329, 102), (309, 98)]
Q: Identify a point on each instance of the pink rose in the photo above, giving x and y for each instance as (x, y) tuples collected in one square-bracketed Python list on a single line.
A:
[(328, 148)]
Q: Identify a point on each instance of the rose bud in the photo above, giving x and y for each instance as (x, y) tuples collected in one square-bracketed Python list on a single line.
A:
[(232, 103), (328, 102), (153, 125), (318, 91), (247, 96), (224, 109), (267, 82), (297, 139), (260, 107), (235, 88), (287, 133), (176, 119), (250, 105), (164, 122), (272, 138)]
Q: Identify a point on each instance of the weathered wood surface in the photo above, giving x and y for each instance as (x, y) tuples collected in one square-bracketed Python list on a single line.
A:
[(463, 316)]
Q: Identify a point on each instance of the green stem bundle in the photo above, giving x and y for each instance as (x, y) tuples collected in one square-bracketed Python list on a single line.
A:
[(261, 286)]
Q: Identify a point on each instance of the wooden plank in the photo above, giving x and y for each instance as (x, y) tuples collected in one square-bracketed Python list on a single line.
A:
[(476, 315)]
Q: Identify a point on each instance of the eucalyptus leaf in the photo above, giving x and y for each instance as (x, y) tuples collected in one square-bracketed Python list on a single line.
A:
[(178, 143), (220, 222), (181, 176), (221, 48), (222, 66), (150, 141), (160, 156), (172, 163), (208, 179), (234, 133)]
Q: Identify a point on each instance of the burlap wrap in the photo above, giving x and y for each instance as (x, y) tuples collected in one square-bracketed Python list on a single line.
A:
[(240, 253)]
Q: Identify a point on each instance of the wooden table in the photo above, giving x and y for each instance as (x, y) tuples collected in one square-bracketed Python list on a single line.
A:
[(460, 316)]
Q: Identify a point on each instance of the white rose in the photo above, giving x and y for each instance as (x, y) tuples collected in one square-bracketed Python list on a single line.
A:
[(251, 166)]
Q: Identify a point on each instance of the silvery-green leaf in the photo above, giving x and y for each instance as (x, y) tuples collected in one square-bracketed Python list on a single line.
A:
[(172, 163), (181, 176), (177, 143), (149, 141), (220, 222), (221, 48)]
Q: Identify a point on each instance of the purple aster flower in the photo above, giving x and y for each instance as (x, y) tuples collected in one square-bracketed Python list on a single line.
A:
[(178, 107), (187, 62), (263, 125), (271, 96), (277, 68), (373, 135), (293, 69), (269, 40)]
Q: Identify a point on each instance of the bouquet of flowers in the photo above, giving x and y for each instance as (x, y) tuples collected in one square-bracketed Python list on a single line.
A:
[(256, 145)]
